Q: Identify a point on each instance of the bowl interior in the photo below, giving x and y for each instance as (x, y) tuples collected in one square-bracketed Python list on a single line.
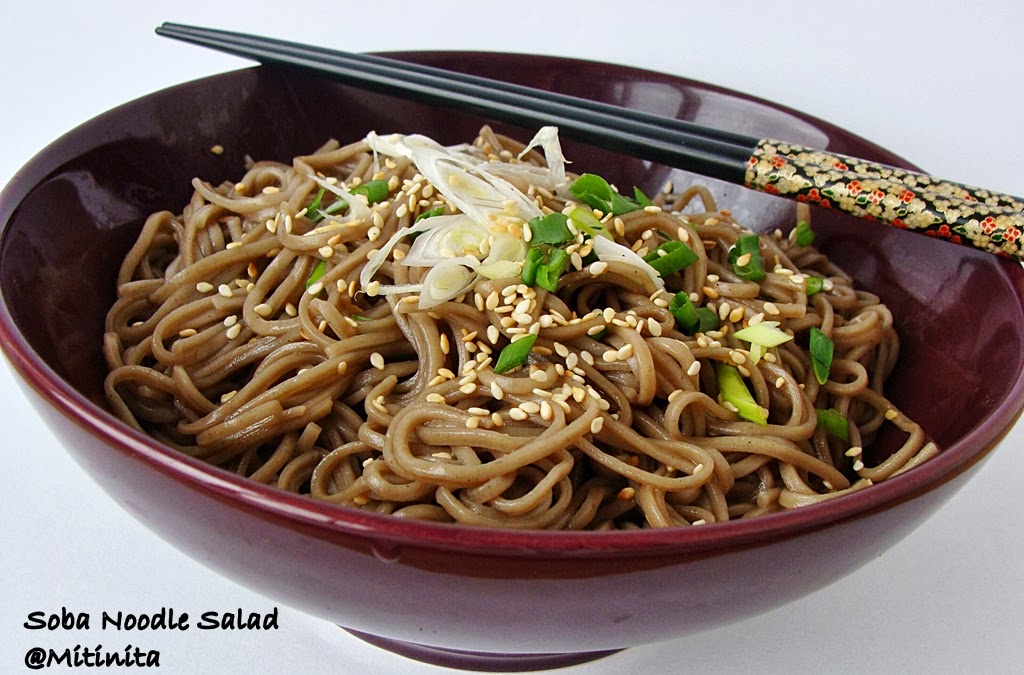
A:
[(72, 213)]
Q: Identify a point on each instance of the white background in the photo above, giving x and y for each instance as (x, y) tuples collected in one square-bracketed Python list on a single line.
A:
[(936, 82)]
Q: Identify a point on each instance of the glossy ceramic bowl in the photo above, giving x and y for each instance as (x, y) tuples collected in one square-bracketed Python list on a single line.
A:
[(72, 212)]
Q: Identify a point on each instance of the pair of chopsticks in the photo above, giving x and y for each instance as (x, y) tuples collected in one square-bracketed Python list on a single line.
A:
[(983, 219)]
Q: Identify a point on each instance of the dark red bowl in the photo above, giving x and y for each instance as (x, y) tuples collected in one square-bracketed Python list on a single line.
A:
[(70, 214)]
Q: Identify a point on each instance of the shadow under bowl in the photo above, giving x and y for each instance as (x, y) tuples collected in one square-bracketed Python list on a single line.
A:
[(72, 212)]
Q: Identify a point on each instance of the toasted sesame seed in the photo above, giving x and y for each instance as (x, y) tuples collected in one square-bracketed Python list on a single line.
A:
[(674, 395), (625, 494), (234, 331), (858, 465), (225, 290), (377, 360), (517, 414), (743, 371), (651, 208), (608, 314), (436, 398), (587, 357), (854, 451), (480, 412), (263, 309), (771, 308), (710, 292), (187, 332), (497, 420), (204, 287), (693, 369), (625, 351), (472, 422), (596, 425), (780, 382), (610, 356), (546, 411), (530, 407), (594, 330), (698, 468), (224, 398), (468, 388), (315, 288), (496, 391), (891, 414), (743, 260), (723, 311), (373, 234), (736, 314), (230, 321), (373, 288)]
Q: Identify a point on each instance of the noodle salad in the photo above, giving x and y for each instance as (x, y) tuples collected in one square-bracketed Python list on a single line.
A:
[(473, 334)]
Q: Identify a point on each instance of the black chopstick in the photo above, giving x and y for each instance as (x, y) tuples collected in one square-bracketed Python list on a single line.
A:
[(981, 218), (685, 145)]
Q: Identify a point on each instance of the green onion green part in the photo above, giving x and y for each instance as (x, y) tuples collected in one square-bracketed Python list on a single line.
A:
[(436, 211), (681, 307), (550, 229), (374, 190), (586, 221), (549, 272), (814, 285), (531, 264), (670, 257), (597, 193), (834, 422), (804, 233), (734, 390), (752, 270), (313, 210), (514, 354), (706, 320), (821, 348), (318, 271)]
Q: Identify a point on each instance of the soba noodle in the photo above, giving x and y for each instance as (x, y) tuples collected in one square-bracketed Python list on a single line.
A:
[(258, 332)]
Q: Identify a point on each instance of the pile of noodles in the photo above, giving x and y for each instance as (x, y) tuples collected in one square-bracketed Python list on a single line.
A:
[(218, 345)]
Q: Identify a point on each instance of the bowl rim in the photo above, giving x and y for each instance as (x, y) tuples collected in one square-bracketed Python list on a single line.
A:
[(331, 519)]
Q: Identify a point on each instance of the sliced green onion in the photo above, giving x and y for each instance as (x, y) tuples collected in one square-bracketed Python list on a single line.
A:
[(530, 266), (549, 272), (762, 336), (550, 229), (360, 317), (804, 233), (681, 307), (514, 354), (374, 190), (834, 422), (318, 271), (814, 285), (313, 210), (821, 348), (585, 220), (670, 257), (752, 270), (436, 211), (707, 320), (734, 390), (597, 193)]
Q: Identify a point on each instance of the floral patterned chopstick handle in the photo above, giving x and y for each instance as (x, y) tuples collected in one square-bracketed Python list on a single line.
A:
[(986, 220)]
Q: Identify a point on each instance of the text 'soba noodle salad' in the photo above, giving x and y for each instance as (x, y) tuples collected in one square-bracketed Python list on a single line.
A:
[(469, 334)]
